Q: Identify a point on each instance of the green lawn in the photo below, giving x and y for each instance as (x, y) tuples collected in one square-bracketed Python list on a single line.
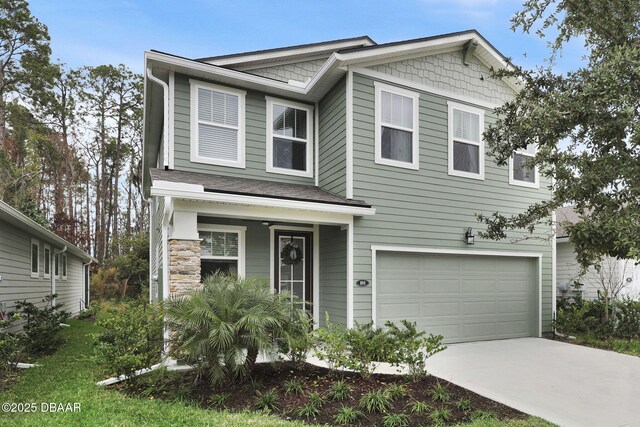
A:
[(69, 376), (630, 347)]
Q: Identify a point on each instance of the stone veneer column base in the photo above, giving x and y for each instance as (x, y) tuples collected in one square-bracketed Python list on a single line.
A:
[(184, 266)]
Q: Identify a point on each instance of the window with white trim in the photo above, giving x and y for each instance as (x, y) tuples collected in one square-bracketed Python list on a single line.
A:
[(221, 250), (289, 138), (217, 125), (56, 265), (47, 261), (396, 133), (519, 172), (466, 146), (35, 258), (64, 266)]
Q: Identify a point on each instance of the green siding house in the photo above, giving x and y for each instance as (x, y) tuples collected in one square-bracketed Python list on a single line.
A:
[(367, 158)]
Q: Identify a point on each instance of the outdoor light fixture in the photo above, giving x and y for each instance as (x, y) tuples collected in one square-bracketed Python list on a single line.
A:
[(267, 223), (469, 236)]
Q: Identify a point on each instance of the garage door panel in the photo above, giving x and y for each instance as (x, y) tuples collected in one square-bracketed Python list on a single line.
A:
[(464, 298)]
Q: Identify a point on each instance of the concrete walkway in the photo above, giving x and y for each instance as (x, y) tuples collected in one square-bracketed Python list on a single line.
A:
[(566, 384)]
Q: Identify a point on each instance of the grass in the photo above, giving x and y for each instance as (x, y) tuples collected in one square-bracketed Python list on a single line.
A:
[(630, 347), (69, 376), (528, 422)]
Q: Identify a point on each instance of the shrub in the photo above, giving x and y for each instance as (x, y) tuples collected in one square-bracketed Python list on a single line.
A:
[(309, 411), (219, 399), (267, 401), (618, 319), (131, 339), (292, 387), (297, 341), (221, 327), (42, 325), (366, 344), (331, 344), (440, 416), (375, 401), (11, 345), (395, 420), (347, 415), (463, 405), (419, 407), (627, 317), (440, 393), (339, 391), (316, 399), (397, 391), (412, 347)]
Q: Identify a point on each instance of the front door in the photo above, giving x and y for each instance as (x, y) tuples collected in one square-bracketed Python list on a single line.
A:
[(293, 269)]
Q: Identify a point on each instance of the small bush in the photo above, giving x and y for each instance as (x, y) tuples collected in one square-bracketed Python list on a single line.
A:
[(297, 341), (419, 407), (395, 420), (11, 345), (366, 344), (131, 339), (440, 416), (397, 391), (309, 411), (316, 399), (219, 399), (254, 383), (43, 324), (440, 393), (375, 401), (463, 405), (267, 401), (331, 344), (347, 415), (412, 347), (292, 387), (339, 391)]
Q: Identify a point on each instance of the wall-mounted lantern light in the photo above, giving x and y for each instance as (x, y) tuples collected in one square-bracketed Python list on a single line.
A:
[(468, 235)]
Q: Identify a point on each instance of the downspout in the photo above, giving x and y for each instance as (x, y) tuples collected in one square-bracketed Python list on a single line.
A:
[(53, 275), (165, 124), (88, 280)]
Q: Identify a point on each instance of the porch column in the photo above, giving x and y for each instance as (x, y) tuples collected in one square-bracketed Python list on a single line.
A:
[(184, 253)]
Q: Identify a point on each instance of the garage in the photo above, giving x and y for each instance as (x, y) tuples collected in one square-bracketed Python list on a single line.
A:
[(462, 297)]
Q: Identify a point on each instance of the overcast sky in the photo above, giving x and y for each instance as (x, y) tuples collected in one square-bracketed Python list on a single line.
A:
[(94, 32)]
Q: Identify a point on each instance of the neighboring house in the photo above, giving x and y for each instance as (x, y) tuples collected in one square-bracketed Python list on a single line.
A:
[(35, 262), (612, 274), (369, 158)]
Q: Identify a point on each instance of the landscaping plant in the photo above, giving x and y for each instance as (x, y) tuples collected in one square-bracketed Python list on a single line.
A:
[(440, 416), (440, 393), (267, 401), (375, 401), (221, 327), (395, 420), (347, 415), (11, 346), (292, 387), (340, 390), (396, 391), (131, 338), (412, 347), (419, 407), (42, 325), (331, 344), (309, 411)]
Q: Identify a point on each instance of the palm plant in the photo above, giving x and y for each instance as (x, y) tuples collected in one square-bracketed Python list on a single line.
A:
[(221, 327)]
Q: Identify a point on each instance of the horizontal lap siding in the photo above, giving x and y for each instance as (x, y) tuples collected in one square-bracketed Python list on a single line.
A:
[(71, 290), (332, 131), (333, 274), (428, 208), (255, 136), (156, 247)]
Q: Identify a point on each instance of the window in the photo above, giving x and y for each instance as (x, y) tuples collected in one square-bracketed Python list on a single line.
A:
[(396, 127), (521, 174), (221, 250), (64, 266), (217, 125), (289, 138), (35, 258), (47, 261), (466, 147), (56, 265)]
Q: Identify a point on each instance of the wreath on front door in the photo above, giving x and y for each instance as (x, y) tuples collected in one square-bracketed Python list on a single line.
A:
[(291, 253)]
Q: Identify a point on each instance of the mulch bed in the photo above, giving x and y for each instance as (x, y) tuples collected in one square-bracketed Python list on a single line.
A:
[(242, 396)]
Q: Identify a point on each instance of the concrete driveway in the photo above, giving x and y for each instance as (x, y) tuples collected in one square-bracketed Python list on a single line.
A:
[(566, 384)]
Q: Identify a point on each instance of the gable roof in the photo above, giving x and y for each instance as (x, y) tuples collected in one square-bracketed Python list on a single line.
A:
[(18, 219)]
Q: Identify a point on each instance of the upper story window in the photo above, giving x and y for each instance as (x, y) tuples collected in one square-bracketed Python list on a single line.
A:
[(47, 261), (466, 147), (396, 124), (519, 172), (217, 125), (289, 138), (56, 265), (64, 266), (35, 258)]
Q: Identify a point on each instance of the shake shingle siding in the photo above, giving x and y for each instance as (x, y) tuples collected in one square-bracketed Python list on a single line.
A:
[(428, 208)]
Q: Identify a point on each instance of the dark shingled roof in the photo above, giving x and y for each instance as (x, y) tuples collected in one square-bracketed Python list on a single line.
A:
[(255, 187)]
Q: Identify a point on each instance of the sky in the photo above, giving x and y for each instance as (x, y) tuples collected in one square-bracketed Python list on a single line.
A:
[(95, 32)]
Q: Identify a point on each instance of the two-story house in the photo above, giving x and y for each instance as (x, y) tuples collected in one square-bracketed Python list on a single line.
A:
[(348, 173)]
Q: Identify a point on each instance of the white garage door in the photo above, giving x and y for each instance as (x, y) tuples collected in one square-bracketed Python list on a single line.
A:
[(462, 297)]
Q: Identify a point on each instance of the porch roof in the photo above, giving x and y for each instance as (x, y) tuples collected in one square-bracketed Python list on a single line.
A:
[(254, 187)]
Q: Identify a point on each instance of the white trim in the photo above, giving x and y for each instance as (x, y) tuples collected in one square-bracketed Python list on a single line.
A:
[(241, 231), (554, 262), (350, 284), (386, 248), (172, 113), (349, 134), (152, 248), (316, 142), (308, 172), (516, 182), (480, 144), (316, 276), (377, 75), (290, 228), (46, 248), (165, 114), (262, 201), (36, 274), (415, 137), (65, 267), (195, 157)]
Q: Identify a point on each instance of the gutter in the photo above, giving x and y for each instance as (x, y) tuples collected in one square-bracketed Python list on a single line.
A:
[(165, 122)]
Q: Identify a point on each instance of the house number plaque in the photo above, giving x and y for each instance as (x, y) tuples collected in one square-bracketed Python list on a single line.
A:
[(362, 282)]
